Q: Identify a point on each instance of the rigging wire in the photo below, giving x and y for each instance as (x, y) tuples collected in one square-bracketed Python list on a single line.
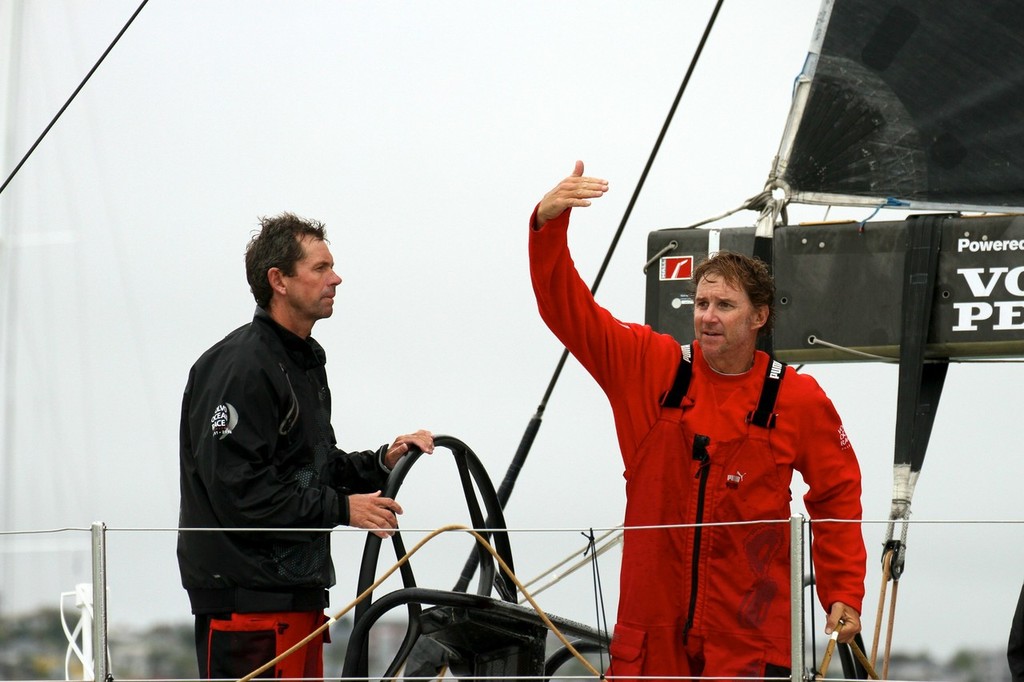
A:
[(70, 99), (758, 202), (640, 184), (563, 569), (601, 617), (526, 442), (657, 146)]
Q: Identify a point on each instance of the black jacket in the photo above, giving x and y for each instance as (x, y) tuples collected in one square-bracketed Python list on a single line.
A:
[(258, 451)]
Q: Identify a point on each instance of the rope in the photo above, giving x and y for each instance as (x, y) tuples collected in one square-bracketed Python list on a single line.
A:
[(901, 555), (887, 562), (886, 559), (827, 658), (888, 635), (864, 660), (398, 564), (892, 569)]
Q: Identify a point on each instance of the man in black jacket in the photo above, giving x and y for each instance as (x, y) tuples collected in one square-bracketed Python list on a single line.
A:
[(258, 451)]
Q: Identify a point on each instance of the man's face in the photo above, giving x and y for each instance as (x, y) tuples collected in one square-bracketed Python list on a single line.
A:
[(311, 289), (725, 323)]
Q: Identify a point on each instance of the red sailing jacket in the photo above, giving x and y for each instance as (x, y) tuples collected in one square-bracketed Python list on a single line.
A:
[(703, 462)]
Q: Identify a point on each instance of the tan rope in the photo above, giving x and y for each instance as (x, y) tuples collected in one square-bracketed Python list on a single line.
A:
[(398, 564), (827, 658), (863, 660), (886, 559), (888, 635), (891, 622)]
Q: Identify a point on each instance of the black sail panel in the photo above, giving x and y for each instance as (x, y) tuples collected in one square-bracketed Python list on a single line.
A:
[(916, 102)]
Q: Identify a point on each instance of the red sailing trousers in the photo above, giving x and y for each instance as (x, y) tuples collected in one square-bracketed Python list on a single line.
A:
[(235, 646), (710, 601)]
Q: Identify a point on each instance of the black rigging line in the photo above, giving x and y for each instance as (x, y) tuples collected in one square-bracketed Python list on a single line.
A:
[(639, 187), (71, 98), (514, 467), (595, 569)]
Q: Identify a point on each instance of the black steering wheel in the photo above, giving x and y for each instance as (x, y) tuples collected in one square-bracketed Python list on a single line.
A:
[(477, 488)]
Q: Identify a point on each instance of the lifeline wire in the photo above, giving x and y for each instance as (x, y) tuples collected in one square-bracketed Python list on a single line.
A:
[(71, 98)]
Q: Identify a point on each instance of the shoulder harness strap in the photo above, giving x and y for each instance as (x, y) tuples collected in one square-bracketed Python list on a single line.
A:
[(764, 415), (673, 397)]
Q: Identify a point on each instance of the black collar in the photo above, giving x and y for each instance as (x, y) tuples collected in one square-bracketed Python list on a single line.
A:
[(307, 353)]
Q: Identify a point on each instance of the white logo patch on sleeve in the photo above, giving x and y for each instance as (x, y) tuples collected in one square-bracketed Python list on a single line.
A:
[(844, 442), (224, 420)]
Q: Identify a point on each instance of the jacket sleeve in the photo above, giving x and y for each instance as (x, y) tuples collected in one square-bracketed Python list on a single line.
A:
[(606, 347), (357, 472), (233, 421), (630, 362), (828, 464)]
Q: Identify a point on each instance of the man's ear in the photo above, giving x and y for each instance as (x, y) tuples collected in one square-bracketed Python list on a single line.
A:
[(276, 279), (760, 316)]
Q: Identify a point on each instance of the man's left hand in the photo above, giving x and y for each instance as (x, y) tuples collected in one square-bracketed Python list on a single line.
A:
[(422, 440)]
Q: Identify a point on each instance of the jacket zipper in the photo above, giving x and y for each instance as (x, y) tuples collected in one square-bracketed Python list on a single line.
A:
[(700, 454)]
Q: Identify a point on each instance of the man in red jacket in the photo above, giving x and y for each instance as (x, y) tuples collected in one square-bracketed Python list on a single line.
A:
[(701, 447)]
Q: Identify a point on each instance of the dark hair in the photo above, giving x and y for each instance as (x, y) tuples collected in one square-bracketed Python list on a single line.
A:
[(278, 244), (744, 272)]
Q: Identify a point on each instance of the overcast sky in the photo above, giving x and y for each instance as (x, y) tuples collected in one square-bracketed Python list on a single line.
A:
[(422, 134)]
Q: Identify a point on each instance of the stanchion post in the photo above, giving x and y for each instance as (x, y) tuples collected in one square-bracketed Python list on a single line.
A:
[(796, 595), (99, 602)]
